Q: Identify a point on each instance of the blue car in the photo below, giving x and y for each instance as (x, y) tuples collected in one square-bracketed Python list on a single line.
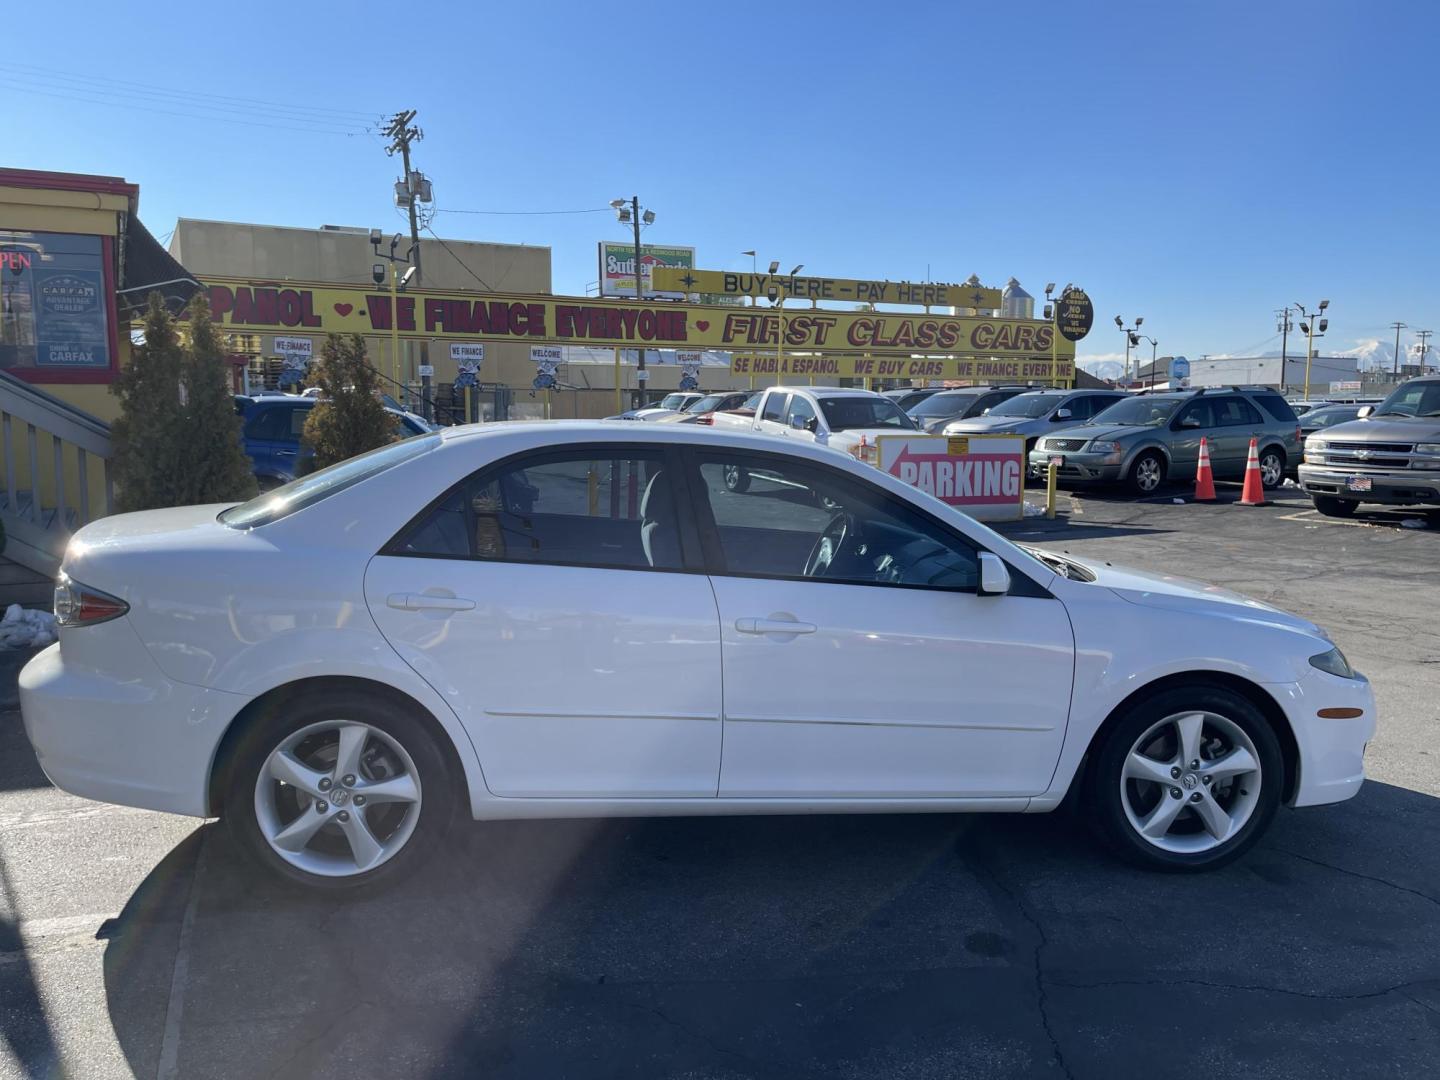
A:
[(272, 429)]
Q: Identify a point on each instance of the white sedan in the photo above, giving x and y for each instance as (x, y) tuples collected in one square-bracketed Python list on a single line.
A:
[(571, 619)]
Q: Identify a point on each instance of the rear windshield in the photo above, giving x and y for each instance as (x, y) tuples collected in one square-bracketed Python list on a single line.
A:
[(944, 404), (1027, 405), (308, 490), (1277, 407)]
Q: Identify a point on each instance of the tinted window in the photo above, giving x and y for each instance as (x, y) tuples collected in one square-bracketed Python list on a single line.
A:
[(1326, 417), (775, 408), (842, 413), (1277, 407), (1236, 412), (274, 423), (799, 408), (1028, 405), (1139, 410), (308, 490), (1199, 413), (794, 520), (1412, 399), (580, 508), (937, 405), (1082, 408)]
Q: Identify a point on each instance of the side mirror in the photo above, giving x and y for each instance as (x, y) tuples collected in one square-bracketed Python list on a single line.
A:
[(798, 423), (985, 411), (1061, 414), (1365, 410), (1189, 422), (813, 424), (994, 576)]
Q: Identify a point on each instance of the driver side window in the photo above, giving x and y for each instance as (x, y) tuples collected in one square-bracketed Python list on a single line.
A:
[(780, 518), (801, 409)]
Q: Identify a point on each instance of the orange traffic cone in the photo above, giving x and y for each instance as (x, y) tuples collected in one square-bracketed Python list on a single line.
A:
[(1253, 493), (1204, 479)]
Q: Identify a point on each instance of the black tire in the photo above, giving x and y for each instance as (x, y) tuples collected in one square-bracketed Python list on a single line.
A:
[(1272, 461), (737, 478), (1104, 788), (265, 731), (1140, 474), (1333, 507)]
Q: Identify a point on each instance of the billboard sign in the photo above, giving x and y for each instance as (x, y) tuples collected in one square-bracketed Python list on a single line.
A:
[(983, 475), (1074, 313), (800, 287), (617, 267)]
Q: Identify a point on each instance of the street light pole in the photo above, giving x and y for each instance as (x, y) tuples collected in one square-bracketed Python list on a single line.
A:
[(1423, 348), (1312, 326), (1397, 327), (1131, 338)]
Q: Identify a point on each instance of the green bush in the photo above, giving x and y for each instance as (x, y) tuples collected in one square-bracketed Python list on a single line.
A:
[(349, 418), (177, 439)]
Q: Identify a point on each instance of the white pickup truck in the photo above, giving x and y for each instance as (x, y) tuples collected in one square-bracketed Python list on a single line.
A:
[(839, 419)]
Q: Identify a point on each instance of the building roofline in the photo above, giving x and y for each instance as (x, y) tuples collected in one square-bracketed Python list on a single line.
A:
[(337, 232)]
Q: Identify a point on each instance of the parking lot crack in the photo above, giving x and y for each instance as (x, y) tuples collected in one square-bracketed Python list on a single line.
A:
[(1254, 988), (1357, 874), (791, 1067)]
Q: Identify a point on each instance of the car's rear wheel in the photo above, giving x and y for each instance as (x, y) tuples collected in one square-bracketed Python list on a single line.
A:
[(1147, 473), (1333, 507), (338, 792), (1272, 468), (1187, 779)]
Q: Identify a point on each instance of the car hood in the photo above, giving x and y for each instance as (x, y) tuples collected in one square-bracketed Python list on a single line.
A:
[(1385, 429), (980, 424), (1104, 431), (1173, 593)]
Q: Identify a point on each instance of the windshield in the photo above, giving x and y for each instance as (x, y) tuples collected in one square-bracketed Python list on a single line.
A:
[(944, 404), (670, 401), (705, 404), (308, 490), (1028, 405), (1139, 411), (1319, 418), (842, 413), (1412, 399)]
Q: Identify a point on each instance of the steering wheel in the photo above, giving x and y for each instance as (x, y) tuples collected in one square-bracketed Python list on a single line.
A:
[(841, 527)]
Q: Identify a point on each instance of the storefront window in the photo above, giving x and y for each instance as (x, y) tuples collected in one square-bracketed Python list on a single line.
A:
[(54, 307)]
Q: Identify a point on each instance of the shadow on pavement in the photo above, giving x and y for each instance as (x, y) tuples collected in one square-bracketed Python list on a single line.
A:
[(841, 946)]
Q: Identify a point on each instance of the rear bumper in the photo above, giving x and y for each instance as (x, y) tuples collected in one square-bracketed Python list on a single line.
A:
[(1332, 752), (1398, 488), (137, 740)]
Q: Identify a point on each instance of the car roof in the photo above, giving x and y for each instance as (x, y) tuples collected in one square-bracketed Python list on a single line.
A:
[(830, 391)]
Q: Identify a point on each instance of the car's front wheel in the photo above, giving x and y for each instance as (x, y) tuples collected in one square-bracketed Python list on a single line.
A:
[(1333, 507), (1147, 473), (1187, 779), (338, 792)]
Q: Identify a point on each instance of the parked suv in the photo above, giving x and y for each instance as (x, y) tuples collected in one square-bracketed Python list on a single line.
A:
[(1036, 413), (937, 410), (1150, 438), (272, 428), (1390, 455)]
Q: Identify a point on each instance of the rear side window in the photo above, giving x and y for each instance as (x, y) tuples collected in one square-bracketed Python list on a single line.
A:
[(1278, 408), (1236, 412)]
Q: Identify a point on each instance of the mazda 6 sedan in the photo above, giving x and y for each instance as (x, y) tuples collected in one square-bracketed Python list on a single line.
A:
[(584, 619)]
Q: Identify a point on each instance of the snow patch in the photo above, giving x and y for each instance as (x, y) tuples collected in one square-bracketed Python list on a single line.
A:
[(26, 628)]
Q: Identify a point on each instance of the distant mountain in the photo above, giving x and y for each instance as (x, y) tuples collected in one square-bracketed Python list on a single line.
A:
[(1102, 368)]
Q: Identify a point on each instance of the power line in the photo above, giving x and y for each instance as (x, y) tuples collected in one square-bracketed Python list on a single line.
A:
[(463, 265), (336, 115), (527, 213), (140, 107)]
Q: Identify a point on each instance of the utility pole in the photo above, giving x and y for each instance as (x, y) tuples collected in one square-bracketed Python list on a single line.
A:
[(402, 133), (1284, 316), (640, 374), (1423, 348), (1397, 327)]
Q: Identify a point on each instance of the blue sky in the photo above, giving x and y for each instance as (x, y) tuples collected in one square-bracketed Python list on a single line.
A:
[(1200, 165)]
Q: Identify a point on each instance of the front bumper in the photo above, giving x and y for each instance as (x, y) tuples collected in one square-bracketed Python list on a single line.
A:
[(1332, 751), (135, 737), (1078, 466), (1398, 488)]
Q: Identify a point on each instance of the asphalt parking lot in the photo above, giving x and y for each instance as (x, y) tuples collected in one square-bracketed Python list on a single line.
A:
[(867, 946)]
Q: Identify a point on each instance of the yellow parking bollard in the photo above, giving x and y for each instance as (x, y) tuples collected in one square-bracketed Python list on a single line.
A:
[(1052, 476)]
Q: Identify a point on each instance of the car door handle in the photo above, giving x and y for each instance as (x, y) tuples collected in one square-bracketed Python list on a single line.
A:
[(426, 602), (774, 626)]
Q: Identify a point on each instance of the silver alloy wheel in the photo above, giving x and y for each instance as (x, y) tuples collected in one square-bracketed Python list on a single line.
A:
[(337, 798), (1190, 782), (1147, 473), (1271, 470)]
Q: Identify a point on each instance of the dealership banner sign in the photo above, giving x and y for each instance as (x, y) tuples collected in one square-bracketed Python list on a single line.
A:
[(676, 281), (582, 321), (983, 475), (979, 369), (617, 268)]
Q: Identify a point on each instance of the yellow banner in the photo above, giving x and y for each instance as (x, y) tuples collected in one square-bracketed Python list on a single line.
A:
[(293, 308), (802, 287), (972, 368)]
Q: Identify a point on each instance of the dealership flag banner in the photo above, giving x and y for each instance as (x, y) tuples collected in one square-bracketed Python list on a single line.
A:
[(563, 320), (983, 475)]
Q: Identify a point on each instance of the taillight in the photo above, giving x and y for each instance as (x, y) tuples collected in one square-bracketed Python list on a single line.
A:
[(706, 419), (80, 605), (1299, 435)]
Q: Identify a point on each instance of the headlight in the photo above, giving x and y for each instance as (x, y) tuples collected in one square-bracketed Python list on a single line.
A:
[(1104, 447), (1316, 445), (1427, 448), (1334, 663)]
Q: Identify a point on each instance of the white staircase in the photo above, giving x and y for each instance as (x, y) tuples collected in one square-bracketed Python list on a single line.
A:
[(56, 464)]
